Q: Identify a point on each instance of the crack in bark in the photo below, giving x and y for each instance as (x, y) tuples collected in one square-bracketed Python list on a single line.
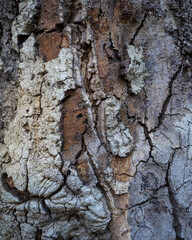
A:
[(46, 209), (138, 29), (40, 91), (167, 100), (148, 138), (38, 234), (101, 183), (23, 196), (145, 227), (9, 187), (143, 202), (21, 39), (61, 130), (176, 223), (116, 55), (19, 224)]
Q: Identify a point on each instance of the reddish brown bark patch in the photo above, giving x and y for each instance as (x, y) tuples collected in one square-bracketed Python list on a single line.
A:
[(49, 15), (107, 50), (125, 11), (121, 168), (99, 22), (121, 201), (83, 169), (74, 124), (49, 45)]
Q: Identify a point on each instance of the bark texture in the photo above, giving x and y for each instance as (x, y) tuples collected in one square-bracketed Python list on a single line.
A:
[(96, 115)]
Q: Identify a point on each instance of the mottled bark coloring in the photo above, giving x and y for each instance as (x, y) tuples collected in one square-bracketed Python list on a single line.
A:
[(96, 119)]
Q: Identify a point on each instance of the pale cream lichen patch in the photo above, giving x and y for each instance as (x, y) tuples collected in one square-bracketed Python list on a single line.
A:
[(86, 203), (36, 152), (118, 136), (136, 71)]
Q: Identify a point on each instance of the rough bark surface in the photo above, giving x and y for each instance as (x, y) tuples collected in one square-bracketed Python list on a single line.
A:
[(96, 115)]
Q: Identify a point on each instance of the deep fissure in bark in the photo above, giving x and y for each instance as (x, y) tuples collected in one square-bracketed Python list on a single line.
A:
[(175, 208), (167, 100)]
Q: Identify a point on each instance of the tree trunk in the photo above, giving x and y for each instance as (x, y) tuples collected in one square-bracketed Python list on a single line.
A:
[(96, 119)]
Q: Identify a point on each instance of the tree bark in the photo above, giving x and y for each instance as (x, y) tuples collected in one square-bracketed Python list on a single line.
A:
[(96, 119)]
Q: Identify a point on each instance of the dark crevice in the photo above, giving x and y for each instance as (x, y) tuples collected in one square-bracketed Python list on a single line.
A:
[(61, 130), (138, 29), (101, 183), (82, 149), (21, 39), (46, 209), (40, 96), (167, 100), (78, 155), (176, 223), (18, 222), (8, 186), (38, 234), (87, 48), (19, 226), (58, 28), (146, 132), (115, 51), (114, 57), (80, 115), (130, 118), (143, 202), (27, 179), (37, 32), (84, 64), (62, 184), (31, 25), (142, 161), (148, 138), (161, 187), (73, 7), (68, 94), (24, 196)]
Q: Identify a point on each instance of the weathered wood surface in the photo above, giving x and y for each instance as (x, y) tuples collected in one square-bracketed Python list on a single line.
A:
[(96, 114)]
